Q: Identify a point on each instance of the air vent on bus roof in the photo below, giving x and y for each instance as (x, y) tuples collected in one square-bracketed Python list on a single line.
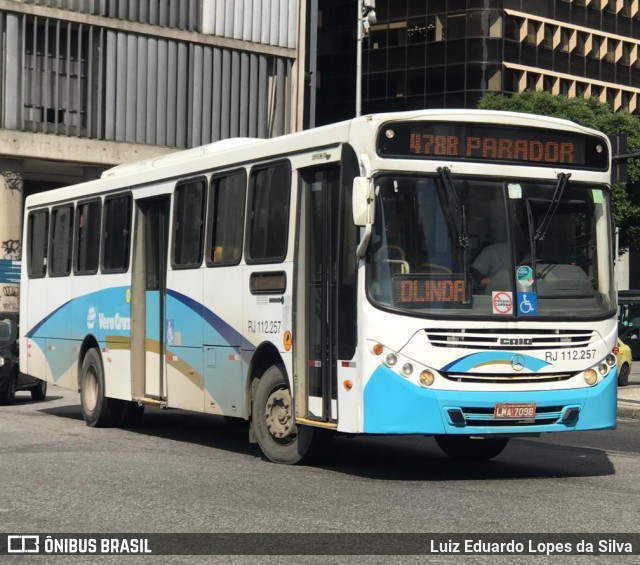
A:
[(179, 156)]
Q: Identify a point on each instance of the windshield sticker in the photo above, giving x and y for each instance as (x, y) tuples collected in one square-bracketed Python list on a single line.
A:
[(598, 196), (524, 275), (502, 302), (528, 303)]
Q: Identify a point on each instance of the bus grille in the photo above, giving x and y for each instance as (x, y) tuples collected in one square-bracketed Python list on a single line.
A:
[(484, 417), (506, 378), (519, 339)]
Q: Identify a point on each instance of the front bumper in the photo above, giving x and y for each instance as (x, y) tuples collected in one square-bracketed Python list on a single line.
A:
[(393, 405)]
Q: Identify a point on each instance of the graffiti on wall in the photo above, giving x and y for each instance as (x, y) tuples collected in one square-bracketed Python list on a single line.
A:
[(12, 181)]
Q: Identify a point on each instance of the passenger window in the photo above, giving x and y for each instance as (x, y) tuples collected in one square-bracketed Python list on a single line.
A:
[(87, 237), (61, 234), (269, 214), (116, 234), (37, 243), (228, 199), (188, 224)]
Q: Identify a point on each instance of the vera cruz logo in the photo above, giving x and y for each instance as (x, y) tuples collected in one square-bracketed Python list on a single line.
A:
[(115, 322), (91, 317)]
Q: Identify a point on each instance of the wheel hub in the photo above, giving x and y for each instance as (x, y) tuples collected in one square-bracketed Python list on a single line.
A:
[(90, 386), (279, 416)]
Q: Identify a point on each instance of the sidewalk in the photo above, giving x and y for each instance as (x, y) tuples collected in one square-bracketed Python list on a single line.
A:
[(629, 396)]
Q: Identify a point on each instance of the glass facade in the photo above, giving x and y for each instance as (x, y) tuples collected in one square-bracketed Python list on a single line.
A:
[(449, 53)]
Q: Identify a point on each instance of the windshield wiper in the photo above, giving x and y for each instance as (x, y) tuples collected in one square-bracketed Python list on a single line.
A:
[(456, 210), (541, 232), (458, 215)]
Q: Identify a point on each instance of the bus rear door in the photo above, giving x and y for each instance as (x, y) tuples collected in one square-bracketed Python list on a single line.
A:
[(149, 288)]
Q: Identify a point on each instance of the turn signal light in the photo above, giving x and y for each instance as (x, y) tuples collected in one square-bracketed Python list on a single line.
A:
[(347, 384), (426, 378), (378, 349)]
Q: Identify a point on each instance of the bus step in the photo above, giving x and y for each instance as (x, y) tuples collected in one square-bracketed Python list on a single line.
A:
[(151, 402)]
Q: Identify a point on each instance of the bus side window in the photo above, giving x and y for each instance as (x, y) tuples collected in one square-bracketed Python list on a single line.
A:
[(268, 222), (61, 238), (116, 234), (227, 202), (87, 246), (37, 243), (188, 224)]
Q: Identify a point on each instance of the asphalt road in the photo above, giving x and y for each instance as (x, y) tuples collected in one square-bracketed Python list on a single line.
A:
[(184, 472)]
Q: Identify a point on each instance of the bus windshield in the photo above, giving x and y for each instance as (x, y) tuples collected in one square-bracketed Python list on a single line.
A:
[(503, 248)]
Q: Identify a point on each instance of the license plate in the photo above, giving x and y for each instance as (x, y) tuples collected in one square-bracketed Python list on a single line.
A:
[(516, 410)]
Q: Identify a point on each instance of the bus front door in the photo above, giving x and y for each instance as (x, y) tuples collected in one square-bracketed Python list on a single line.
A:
[(316, 308), (148, 298)]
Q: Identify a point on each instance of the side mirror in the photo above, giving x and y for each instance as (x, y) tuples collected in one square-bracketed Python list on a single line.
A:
[(363, 201)]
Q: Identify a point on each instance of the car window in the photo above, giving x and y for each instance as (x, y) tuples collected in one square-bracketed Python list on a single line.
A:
[(6, 330)]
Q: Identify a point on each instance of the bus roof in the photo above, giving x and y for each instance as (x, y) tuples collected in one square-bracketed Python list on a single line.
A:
[(235, 151)]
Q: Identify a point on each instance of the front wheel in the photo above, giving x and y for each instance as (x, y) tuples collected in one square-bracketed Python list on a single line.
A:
[(8, 395), (39, 392), (96, 408), (623, 377), (471, 449), (272, 422)]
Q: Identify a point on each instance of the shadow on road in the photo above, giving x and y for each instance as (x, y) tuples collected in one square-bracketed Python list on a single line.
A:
[(402, 458)]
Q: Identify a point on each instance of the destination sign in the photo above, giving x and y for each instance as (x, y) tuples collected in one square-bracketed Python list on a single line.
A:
[(491, 142), (419, 290)]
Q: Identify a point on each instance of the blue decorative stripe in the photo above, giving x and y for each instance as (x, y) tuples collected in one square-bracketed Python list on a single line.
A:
[(470, 362), (227, 332), (44, 320)]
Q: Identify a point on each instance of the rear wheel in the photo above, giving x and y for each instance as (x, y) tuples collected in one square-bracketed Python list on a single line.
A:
[(97, 410), (623, 376), (471, 449), (39, 392), (272, 422), (8, 395)]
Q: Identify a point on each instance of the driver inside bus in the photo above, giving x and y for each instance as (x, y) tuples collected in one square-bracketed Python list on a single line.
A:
[(492, 260), (496, 258)]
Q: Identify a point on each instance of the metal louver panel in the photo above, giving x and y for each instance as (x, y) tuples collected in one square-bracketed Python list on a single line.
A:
[(77, 79)]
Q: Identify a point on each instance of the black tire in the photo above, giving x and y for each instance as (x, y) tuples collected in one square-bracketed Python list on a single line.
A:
[(471, 449), (272, 423), (39, 392), (8, 394), (623, 376), (97, 409), (129, 414)]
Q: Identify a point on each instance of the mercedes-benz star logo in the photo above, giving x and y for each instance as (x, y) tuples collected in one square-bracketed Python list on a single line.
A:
[(517, 363)]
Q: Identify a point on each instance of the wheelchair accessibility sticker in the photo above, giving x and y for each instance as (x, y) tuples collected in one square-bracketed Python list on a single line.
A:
[(527, 303)]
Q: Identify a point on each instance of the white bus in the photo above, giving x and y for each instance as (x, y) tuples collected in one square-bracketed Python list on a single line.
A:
[(446, 273)]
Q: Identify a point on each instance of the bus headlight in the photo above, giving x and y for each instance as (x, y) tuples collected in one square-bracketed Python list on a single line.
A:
[(414, 371), (610, 360), (603, 369), (1, 360), (590, 377), (407, 369)]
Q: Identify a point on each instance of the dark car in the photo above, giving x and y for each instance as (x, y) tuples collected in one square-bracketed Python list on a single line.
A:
[(11, 380), (631, 336)]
